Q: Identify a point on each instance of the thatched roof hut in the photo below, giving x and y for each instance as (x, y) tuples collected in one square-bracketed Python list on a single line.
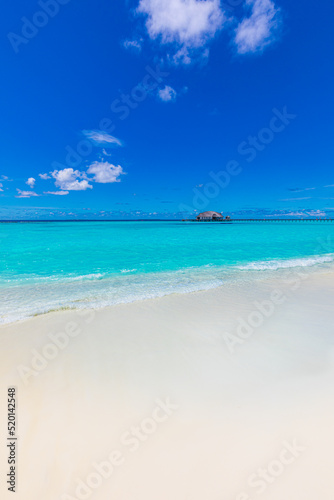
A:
[(209, 215)]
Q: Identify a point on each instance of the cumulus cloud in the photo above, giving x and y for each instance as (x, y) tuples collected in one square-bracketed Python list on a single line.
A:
[(101, 138), (105, 172), (31, 182), (44, 176), (68, 180), (25, 194), (187, 24), (167, 94), (1, 186), (259, 29), (59, 193)]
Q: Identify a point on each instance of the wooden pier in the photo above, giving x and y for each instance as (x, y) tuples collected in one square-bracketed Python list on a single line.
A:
[(280, 220), (276, 221)]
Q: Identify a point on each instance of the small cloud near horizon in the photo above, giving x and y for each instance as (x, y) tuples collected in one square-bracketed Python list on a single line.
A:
[(31, 182), (25, 194), (297, 199), (68, 180), (104, 172), (59, 193)]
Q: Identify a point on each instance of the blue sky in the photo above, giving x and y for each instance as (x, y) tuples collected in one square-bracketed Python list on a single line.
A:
[(164, 108)]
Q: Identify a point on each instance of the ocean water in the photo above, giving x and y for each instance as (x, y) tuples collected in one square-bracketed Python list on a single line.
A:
[(54, 265)]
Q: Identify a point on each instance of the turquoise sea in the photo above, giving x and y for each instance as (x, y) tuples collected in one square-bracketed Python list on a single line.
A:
[(53, 265)]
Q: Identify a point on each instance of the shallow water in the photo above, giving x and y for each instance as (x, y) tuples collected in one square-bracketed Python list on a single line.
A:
[(52, 265)]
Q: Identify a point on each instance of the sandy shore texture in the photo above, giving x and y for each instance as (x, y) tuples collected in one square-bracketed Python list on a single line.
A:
[(226, 394)]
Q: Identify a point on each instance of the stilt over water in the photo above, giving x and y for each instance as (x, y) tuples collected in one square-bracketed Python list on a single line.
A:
[(231, 221)]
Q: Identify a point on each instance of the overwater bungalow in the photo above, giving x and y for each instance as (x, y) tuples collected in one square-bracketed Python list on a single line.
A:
[(209, 215)]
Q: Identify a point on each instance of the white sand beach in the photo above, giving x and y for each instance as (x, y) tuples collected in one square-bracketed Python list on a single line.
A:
[(226, 394)]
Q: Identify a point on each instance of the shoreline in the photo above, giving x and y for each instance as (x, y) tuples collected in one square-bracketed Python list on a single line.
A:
[(271, 270), (291, 283)]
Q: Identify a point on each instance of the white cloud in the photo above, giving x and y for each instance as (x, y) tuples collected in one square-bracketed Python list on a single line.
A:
[(167, 94), (31, 182), (257, 31), (188, 24), (67, 180), (105, 172), (297, 199), (316, 213), (290, 214), (300, 190), (133, 44), (25, 194), (1, 186), (59, 193), (100, 137), (44, 176)]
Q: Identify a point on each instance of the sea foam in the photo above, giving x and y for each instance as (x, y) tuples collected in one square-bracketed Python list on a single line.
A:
[(276, 264)]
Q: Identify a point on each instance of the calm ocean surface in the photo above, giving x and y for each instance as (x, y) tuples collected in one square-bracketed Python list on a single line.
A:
[(54, 265)]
